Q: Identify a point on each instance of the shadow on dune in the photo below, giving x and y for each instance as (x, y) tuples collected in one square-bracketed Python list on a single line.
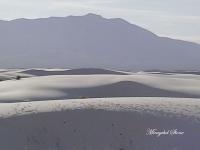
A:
[(124, 89), (84, 71)]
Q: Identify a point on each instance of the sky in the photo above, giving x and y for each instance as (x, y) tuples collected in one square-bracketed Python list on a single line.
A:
[(179, 19)]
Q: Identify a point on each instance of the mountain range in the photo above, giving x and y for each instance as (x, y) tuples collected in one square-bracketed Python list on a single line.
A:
[(91, 41)]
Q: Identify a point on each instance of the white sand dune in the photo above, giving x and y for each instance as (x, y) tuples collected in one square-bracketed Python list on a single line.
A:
[(100, 124), (70, 86), (11, 74)]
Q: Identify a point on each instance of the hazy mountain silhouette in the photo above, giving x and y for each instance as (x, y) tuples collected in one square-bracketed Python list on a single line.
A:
[(90, 41)]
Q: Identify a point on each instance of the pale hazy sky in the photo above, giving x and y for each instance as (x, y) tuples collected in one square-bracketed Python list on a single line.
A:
[(172, 18)]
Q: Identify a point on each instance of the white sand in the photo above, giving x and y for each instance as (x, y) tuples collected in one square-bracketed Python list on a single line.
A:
[(53, 121), (99, 124), (140, 104), (70, 86)]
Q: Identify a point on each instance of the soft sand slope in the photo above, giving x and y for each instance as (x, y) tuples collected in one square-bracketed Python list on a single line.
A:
[(96, 86), (100, 124), (54, 118)]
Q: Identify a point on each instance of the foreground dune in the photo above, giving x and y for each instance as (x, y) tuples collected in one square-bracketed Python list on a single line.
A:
[(100, 124)]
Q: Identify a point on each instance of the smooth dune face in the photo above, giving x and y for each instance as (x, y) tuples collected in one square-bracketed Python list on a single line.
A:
[(100, 124), (97, 86)]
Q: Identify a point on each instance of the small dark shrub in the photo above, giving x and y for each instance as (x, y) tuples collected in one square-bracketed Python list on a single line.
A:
[(18, 78), (82, 97)]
